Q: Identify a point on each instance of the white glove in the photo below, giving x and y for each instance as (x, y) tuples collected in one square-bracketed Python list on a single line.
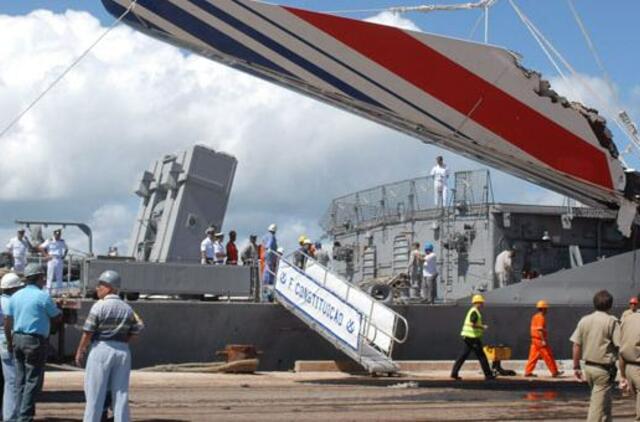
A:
[(203, 261)]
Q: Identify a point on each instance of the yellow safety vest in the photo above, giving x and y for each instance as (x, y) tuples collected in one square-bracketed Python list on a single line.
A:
[(468, 330)]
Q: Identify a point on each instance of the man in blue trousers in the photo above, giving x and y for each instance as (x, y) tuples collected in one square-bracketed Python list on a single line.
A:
[(109, 327), (26, 325)]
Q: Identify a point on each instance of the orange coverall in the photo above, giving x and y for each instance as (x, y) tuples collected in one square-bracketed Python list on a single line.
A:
[(539, 346)]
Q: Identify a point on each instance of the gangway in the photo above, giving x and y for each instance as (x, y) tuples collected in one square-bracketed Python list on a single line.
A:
[(354, 322)]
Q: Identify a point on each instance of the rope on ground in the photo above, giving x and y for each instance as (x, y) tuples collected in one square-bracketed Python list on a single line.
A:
[(239, 366), (67, 70)]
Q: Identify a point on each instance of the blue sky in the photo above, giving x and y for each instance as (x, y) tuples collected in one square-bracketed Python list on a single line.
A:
[(612, 25), (106, 201)]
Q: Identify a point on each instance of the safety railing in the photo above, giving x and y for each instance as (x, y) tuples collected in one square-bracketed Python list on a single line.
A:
[(70, 286), (380, 322)]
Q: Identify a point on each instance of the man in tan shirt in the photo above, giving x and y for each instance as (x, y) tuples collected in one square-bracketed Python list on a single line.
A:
[(633, 307), (595, 341), (630, 356)]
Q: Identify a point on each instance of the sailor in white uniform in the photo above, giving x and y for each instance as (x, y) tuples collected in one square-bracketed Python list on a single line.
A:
[(54, 250), (18, 247), (206, 247), (219, 252), (440, 174)]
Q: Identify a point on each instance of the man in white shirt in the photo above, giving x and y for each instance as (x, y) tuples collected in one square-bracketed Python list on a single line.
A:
[(429, 274), (54, 250), (206, 247), (504, 267), (219, 252), (18, 247), (440, 174)]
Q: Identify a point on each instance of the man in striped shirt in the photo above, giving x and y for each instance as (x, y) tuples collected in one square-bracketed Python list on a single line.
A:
[(109, 327)]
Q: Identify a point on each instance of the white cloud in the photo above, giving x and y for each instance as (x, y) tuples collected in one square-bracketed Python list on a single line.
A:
[(393, 19), (591, 91), (111, 225), (78, 154)]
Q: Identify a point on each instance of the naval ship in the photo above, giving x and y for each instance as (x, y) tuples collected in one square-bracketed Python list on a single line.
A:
[(473, 99), (564, 254)]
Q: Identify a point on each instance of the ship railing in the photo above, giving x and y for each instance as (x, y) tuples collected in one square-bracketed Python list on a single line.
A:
[(381, 323), (70, 286)]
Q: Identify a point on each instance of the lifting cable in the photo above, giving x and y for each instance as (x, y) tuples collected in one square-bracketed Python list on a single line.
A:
[(480, 4), (476, 25), (592, 48), (623, 120), (542, 42), (73, 64), (548, 48)]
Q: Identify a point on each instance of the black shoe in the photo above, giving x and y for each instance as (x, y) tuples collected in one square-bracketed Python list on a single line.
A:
[(489, 377), (456, 377), (531, 375)]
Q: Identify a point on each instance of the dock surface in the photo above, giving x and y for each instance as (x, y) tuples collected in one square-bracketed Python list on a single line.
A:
[(334, 396)]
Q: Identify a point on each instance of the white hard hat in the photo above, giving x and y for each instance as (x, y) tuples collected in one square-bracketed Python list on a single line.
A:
[(10, 281), (273, 228), (210, 230), (280, 250)]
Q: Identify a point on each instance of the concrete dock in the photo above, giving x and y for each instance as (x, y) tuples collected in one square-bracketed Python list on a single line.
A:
[(334, 396)]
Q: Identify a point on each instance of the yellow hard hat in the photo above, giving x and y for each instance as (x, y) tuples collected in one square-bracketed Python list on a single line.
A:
[(542, 304), (477, 299), (302, 238)]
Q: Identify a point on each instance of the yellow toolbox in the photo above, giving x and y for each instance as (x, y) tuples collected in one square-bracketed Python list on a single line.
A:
[(496, 353)]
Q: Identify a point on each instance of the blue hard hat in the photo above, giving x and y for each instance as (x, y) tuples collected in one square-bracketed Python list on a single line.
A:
[(428, 246)]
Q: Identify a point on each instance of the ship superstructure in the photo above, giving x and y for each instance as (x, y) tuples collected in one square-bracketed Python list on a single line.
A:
[(375, 228)]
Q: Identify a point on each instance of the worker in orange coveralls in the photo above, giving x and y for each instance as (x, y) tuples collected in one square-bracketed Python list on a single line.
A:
[(539, 346)]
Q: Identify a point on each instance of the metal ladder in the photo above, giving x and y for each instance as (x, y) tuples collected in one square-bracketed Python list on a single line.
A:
[(379, 323), (400, 254), (447, 253)]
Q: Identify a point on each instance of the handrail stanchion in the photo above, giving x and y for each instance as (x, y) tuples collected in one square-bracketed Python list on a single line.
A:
[(375, 344), (350, 285)]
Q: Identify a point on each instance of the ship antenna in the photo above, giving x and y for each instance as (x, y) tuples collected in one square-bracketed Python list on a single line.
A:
[(73, 64)]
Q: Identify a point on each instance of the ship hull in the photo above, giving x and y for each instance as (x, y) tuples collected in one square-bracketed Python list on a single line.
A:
[(183, 331)]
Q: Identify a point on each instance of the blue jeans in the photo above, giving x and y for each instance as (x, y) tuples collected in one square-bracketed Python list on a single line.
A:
[(30, 354), (10, 402), (108, 369)]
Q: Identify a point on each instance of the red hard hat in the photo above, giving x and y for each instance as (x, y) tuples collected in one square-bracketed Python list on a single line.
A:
[(633, 300)]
